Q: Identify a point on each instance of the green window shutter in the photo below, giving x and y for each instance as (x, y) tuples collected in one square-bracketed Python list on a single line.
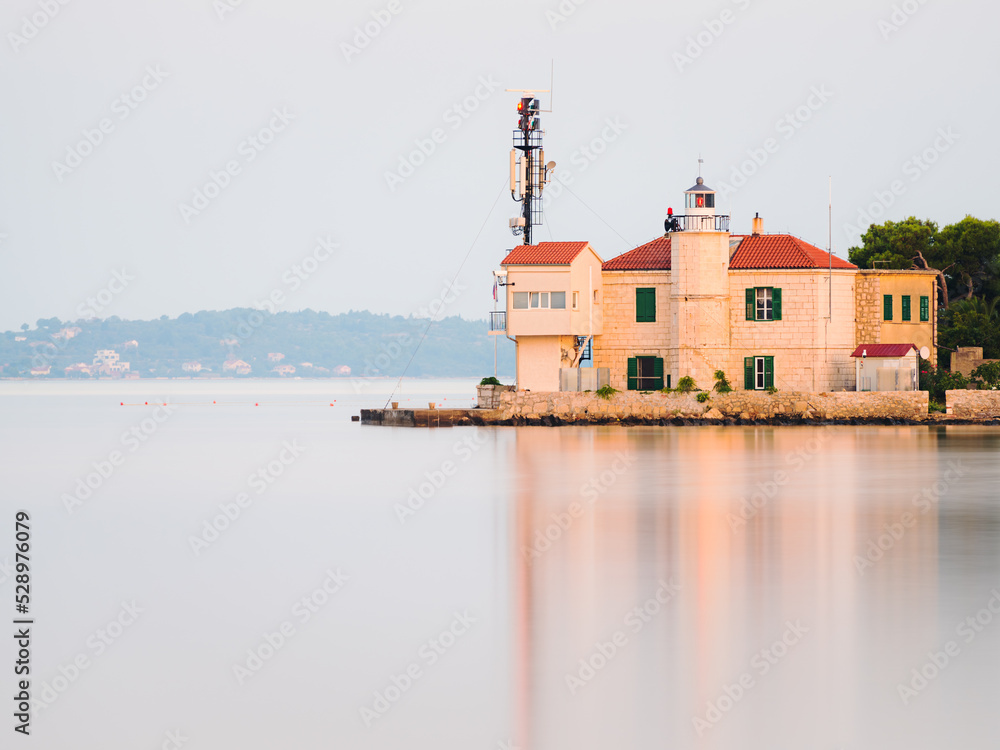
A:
[(645, 305), (776, 303), (925, 309), (751, 304), (906, 307), (887, 307), (658, 373), (769, 372), (633, 373), (748, 378)]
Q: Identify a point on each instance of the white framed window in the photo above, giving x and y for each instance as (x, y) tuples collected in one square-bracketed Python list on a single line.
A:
[(765, 304), (540, 300)]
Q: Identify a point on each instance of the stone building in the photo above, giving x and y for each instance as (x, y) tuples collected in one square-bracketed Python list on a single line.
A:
[(770, 310)]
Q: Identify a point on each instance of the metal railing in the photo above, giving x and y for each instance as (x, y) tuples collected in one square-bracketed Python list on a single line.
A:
[(696, 223), (498, 321)]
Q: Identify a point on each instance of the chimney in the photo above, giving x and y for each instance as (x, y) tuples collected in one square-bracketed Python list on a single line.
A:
[(758, 225)]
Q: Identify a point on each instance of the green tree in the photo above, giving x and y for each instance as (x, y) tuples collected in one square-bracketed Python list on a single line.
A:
[(970, 250), (971, 323)]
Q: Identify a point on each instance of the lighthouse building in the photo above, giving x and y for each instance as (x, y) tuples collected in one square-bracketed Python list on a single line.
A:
[(770, 310)]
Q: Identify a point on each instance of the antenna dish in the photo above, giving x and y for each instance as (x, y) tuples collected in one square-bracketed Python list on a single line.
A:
[(925, 352), (550, 166)]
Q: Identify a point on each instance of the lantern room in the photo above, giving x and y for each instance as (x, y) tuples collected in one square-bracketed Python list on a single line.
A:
[(699, 200)]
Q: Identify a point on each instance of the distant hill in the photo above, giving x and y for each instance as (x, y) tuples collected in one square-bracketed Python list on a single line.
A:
[(316, 344)]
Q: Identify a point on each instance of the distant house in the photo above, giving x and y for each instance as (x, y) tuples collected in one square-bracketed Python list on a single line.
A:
[(20, 338), (236, 366), (133, 344), (342, 370), (41, 370), (107, 362), (191, 367), (284, 370), (67, 333), (81, 368), (275, 357), (229, 342)]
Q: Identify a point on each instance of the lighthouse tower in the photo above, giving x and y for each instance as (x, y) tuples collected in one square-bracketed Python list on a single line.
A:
[(699, 285)]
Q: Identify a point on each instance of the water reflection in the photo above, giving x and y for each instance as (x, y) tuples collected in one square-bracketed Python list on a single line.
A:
[(816, 567)]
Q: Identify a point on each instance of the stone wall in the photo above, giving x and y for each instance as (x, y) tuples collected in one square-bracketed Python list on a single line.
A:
[(571, 407), (973, 404), (868, 305), (967, 359)]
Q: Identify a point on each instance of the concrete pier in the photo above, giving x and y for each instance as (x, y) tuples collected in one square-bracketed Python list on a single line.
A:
[(428, 417)]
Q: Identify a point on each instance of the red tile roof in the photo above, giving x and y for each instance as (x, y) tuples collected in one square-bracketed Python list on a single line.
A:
[(653, 256), (544, 254), (884, 350), (765, 251)]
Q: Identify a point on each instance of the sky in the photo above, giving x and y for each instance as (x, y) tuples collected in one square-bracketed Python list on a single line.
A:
[(158, 158)]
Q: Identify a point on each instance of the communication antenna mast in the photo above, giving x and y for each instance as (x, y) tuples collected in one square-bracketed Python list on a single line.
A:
[(528, 171)]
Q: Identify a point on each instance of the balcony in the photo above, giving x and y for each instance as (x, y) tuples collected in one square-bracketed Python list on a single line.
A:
[(696, 223), (498, 323)]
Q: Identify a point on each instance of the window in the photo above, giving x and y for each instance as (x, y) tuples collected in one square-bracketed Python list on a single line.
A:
[(645, 305), (763, 303), (758, 373), (700, 200), (645, 373), (925, 309), (887, 307), (540, 300), (906, 307), (576, 300)]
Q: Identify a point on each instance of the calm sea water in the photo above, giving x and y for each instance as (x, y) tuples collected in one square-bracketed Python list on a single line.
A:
[(250, 569)]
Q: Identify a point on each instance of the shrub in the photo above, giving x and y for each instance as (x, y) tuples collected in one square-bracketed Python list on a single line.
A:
[(988, 374), (936, 381), (771, 389), (722, 383), (489, 381), (606, 392), (686, 385), (703, 397)]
